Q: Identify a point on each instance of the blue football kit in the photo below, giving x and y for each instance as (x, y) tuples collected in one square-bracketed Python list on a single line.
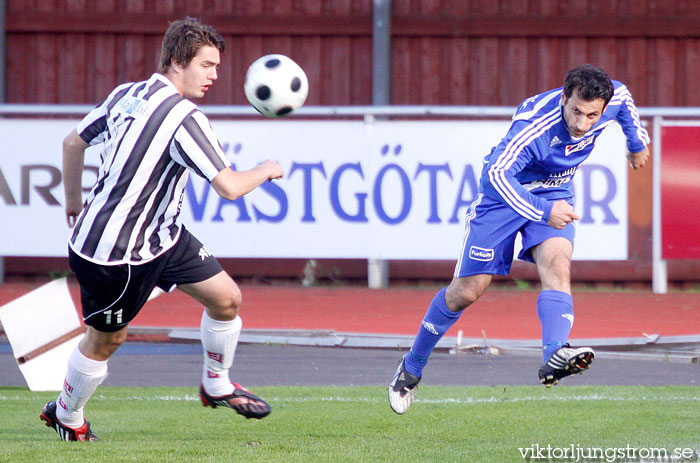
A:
[(531, 168)]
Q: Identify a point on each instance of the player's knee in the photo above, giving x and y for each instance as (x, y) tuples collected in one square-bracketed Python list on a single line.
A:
[(463, 292), (99, 345), (113, 343), (460, 297), (470, 295), (228, 305), (561, 263), (558, 268)]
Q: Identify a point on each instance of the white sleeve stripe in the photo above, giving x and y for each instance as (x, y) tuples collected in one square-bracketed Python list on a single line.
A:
[(516, 202), (623, 96), (508, 157), (622, 89), (641, 131), (540, 104), (603, 125), (515, 145), (497, 172), (621, 93)]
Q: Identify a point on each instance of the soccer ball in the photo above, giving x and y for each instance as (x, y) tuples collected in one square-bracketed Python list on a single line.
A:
[(275, 85)]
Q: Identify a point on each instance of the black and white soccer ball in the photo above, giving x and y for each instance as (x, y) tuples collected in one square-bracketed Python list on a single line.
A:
[(275, 85)]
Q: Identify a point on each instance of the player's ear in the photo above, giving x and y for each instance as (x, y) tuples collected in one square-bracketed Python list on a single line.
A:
[(177, 67)]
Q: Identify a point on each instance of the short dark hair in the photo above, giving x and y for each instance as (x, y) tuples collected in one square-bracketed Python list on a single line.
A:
[(591, 83), (182, 41)]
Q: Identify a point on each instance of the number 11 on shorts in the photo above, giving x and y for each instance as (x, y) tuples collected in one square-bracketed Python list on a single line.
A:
[(117, 317)]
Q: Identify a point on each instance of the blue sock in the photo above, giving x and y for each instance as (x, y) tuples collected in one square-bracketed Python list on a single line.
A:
[(556, 312), (438, 319)]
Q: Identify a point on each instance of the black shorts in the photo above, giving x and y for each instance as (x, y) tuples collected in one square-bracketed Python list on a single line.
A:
[(112, 295)]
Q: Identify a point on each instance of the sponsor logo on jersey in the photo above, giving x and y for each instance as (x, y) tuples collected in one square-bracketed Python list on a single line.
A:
[(133, 106), (554, 181), (578, 146), (555, 141), (482, 254)]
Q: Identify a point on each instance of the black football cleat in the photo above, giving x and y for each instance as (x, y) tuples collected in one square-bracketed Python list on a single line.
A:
[(241, 400), (564, 362), (81, 434)]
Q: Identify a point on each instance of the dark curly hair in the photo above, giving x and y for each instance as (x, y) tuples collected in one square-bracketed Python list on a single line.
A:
[(183, 40), (591, 83)]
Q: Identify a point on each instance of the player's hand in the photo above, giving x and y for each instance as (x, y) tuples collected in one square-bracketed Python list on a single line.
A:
[(562, 214), (273, 168), (70, 219), (72, 213), (637, 160)]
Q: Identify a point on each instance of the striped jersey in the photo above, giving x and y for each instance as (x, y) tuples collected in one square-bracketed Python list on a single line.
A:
[(537, 159), (152, 137)]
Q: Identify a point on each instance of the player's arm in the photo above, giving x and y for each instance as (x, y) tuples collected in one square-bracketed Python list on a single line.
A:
[(231, 185), (195, 146), (628, 118), (503, 183), (73, 159), (90, 131), (511, 156)]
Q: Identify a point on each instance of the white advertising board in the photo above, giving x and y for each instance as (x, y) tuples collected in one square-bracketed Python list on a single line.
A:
[(352, 189)]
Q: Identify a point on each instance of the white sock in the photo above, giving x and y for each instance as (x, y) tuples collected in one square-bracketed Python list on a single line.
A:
[(82, 378), (219, 340)]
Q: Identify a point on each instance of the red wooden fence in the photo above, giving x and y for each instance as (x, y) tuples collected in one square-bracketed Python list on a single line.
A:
[(464, 52)]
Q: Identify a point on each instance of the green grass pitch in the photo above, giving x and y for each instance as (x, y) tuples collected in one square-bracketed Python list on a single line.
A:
[(355, 424)]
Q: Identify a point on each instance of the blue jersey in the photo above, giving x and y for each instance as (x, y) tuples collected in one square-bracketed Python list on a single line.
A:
[(537, 159)]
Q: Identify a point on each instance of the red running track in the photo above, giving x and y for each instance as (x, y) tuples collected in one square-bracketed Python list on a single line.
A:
[(501, 314)]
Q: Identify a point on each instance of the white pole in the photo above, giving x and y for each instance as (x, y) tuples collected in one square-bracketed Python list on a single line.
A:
[(377, 274), (659, 272)]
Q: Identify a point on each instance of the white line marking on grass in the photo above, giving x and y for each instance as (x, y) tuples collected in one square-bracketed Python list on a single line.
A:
[(446, 400), (159, 398), (488, 400)]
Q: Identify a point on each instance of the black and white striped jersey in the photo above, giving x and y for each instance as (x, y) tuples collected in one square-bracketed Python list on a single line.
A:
[(152, 138)]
